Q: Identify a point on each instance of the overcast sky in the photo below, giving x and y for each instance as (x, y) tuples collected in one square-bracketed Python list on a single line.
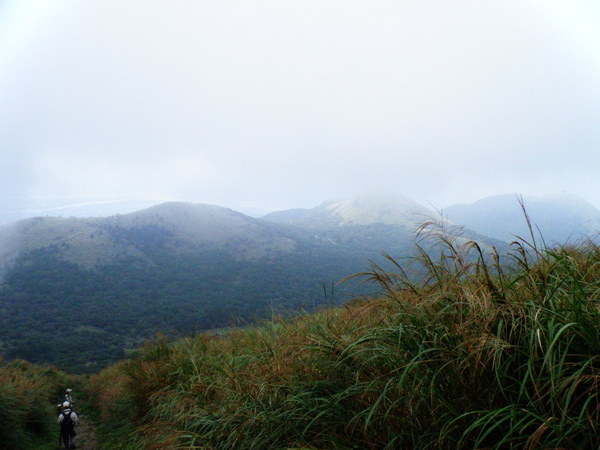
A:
[(266, 105)]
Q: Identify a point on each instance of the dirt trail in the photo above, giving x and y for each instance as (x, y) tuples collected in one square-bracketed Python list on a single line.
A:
[(86, 434)]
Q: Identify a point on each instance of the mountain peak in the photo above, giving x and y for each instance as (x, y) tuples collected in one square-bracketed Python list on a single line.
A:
[(383, 207), (379, 207)]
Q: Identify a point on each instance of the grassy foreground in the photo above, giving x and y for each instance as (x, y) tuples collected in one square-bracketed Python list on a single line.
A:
[(484, 351), (28, 398)]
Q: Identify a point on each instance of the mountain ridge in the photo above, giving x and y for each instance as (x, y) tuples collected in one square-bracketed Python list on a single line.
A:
[(363, 209), (556, 218), (102, 285)]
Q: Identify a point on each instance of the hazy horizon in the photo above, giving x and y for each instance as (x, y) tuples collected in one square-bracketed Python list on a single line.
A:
[(105, 207)]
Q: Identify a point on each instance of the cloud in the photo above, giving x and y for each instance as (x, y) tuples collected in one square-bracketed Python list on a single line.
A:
[(291, 103)]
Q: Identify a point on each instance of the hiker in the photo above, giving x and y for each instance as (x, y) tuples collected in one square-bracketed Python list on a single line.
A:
[(67, 420), (69, 398)]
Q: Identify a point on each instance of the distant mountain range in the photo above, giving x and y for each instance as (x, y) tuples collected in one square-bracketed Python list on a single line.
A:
[(556, 219), (81, 292)]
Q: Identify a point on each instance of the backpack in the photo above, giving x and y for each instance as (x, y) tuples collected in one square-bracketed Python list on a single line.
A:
[(67, 425)]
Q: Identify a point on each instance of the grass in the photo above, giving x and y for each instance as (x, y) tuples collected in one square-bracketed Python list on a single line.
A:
[(28, 399), (463, 347)]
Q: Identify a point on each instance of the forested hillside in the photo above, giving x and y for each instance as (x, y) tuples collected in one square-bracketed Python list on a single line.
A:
[(81, 293), (80, 318)]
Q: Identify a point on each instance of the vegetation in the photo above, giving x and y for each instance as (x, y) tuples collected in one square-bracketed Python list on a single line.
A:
[(53, 311), (484, 351), (81, 294), (28, 398), (461, 347)]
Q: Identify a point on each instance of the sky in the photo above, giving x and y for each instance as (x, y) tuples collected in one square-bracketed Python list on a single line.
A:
[(268, 105)]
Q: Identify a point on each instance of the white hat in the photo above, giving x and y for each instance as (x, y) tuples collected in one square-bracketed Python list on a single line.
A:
[(66, 404)]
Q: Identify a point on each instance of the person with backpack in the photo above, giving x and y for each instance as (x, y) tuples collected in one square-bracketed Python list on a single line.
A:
[(69, 397), (67, 420)]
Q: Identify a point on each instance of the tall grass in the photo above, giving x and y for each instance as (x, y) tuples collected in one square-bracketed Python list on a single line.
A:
[(28, 396), (463, 348)]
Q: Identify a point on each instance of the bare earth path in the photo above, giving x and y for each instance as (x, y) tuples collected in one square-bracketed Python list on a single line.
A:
[(86, 434)]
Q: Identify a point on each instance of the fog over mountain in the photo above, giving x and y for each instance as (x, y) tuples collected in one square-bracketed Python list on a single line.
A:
[(558, 218)]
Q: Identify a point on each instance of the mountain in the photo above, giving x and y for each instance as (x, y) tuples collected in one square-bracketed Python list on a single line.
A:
[(385, 207), (80, 292), (382, 220), (372, 221), (558, 218), (182, 228)]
